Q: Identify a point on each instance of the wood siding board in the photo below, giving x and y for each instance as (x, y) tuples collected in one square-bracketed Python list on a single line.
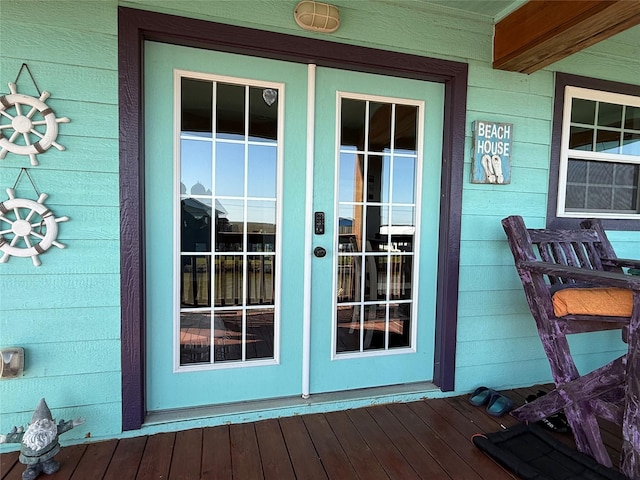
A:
[(68, 84), (26, 394), (134, 26), (517, 104), (62, 290), (68, 15), (92, 356), (478, 279), (503, 327), (497, 303), (80, 257), (77, 324)]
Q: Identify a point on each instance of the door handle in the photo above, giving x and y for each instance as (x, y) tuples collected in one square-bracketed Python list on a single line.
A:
[(319, 252)]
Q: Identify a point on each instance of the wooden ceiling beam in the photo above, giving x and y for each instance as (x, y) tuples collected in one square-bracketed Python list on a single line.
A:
[(541, 32)]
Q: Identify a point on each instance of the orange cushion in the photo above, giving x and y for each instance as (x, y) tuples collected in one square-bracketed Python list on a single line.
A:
[(613, 302)]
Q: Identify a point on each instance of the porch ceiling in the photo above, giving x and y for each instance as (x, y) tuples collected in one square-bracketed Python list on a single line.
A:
[(529, 35)]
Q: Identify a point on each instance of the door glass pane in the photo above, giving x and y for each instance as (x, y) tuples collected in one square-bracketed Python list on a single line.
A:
[(378, 174), (197, 101), (230, 108), (379, 126), (261, 171), (376, 225), (349, 278), (195, 281), (351, 181), (404, 179), (399, 325), (260, 280), (406, 131), (229, 225), (350, 228), (263, 114), (260, 333), (351, 124), (195, 166), (228, 164), (195, 337), (228, 336), (348, 331), (374, 327)]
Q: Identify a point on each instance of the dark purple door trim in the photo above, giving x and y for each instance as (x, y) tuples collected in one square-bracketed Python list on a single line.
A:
[(136, 26)]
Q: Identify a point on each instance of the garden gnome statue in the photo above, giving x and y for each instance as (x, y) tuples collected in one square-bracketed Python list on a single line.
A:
[(39, 441)]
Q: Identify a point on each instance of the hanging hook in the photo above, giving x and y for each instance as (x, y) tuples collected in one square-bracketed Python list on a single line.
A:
[(24, 65), (24, 170)]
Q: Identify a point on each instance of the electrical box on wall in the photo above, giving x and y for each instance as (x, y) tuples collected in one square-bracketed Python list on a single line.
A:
[(11, 362)]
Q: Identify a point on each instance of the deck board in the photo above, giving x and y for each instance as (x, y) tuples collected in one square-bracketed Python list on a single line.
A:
[(385, 451), (156, 458), (187, 455), (360, 455), (273, 451), (429, 439), (303, 455), (333, 458), (421, 460), (245, 455), (95, 460)]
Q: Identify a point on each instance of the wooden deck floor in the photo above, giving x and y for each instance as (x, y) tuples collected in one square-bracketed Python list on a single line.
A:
[(428, 439)]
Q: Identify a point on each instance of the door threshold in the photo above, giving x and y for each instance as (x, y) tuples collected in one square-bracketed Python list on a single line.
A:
[(240, 412)]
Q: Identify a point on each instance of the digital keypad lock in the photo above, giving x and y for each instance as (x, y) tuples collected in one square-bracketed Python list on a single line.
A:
[(319, 223)]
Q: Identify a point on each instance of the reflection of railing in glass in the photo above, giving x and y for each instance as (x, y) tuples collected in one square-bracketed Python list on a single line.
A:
[(195, 336)]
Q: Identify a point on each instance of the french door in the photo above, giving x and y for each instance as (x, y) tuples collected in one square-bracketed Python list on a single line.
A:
[(230, 274)]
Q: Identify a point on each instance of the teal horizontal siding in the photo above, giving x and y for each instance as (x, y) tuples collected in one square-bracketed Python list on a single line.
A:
[(58, 291), (67, 312), (48, 325)]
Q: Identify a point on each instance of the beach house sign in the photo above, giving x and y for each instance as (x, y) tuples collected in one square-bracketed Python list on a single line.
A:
[(491, 152)]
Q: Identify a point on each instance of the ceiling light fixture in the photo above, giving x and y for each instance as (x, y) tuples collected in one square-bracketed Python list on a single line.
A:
[(317, 16)]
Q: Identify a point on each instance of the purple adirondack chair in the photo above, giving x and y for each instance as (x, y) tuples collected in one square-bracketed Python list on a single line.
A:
[(547, 262)]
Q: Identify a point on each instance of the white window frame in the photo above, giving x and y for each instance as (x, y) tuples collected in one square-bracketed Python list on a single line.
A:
[(417, 205), (572, 92), (178, 74)]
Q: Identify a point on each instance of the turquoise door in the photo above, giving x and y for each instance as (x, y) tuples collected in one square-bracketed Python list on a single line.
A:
[(229, 228), (377, 176)]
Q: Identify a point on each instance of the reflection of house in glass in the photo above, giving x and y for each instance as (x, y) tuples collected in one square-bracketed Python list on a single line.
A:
[(231, 269)]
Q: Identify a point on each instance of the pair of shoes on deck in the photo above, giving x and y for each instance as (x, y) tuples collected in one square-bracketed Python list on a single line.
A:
[(554, 423), (497, 404)]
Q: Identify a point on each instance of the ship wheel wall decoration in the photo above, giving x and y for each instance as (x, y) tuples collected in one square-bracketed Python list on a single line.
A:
[(24, 124), (27, 220)]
